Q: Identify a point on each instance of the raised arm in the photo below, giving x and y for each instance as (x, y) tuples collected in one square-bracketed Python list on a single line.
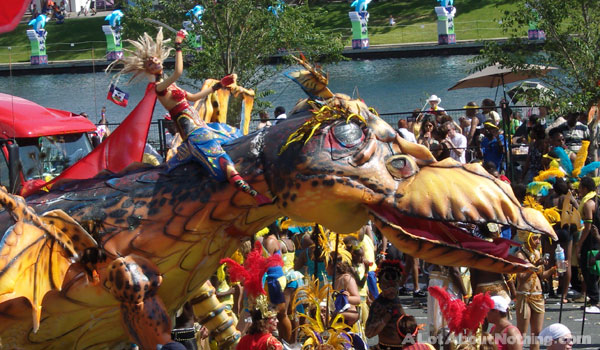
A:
[(178, 63), (226, 81)]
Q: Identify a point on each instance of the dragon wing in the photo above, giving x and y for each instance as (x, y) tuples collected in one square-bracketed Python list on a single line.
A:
[(36, 252)]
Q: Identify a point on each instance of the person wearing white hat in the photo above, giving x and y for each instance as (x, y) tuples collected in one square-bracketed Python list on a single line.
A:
[(506, 335), (435, 109), (556, 337)]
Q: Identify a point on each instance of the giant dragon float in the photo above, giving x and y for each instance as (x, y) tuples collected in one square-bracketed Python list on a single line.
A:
[(99, 263)]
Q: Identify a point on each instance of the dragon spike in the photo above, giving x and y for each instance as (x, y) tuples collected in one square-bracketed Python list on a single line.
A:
[(20, 211)]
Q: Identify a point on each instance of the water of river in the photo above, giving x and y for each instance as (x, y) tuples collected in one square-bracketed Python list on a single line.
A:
[(389, 85)]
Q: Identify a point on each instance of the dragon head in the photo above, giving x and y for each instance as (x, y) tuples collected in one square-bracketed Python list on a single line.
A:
[(339, 164)]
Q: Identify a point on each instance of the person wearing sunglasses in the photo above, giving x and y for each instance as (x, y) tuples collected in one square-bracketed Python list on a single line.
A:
[(556, 337)]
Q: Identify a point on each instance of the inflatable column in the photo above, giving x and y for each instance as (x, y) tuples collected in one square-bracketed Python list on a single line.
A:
[(534, 33), (114, 46), (360, 34), (195, 21), (37, 38), (445, 15), (38, 46)]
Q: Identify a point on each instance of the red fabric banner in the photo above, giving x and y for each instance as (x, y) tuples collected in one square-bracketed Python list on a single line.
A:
[(11, 12), (122, 147)]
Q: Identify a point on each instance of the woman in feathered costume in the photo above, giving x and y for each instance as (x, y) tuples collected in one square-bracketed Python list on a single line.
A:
[(264, 318), (200, 142)]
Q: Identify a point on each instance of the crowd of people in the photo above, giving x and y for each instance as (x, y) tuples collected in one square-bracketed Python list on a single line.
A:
[(367, 281), (365, 274)]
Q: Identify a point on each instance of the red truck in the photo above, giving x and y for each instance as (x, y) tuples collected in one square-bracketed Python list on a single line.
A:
[(38, 143)]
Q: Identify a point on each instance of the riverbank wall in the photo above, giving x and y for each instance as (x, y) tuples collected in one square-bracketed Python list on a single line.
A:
[(465, 47)]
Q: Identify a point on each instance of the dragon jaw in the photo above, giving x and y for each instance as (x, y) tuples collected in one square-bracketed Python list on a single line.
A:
[(350, 171)]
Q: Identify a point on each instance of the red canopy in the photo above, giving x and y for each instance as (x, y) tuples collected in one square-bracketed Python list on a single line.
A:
[(22, 118), (11, 12)]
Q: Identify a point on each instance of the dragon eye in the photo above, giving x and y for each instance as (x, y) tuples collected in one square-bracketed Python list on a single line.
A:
[(401, 166), (348, 134)]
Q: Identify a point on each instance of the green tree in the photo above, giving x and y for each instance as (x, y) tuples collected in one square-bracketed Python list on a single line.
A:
[(572, 44), (240, 36)]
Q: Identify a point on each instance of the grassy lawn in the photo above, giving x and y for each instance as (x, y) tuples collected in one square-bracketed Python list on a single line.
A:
[(416, 22), (84, 32)]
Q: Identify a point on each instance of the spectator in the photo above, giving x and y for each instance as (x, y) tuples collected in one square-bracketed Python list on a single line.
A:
[(264, 120), (492, 145), (426, 132), (465, 125), (508, 116), (556, 337), (434, 107), (415, 121), (537, 149), (279, 114), (458, 143), (403, 131), (441, 149), (574, 132), (488, 107), (102, 128), (589, 240), (34, 11), (392, 22)]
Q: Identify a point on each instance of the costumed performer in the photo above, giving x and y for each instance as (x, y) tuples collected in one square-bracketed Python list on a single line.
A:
[(506, 335), (408, 330), (450, 279), (464, 321), (386, 309), (200, 142), (530, 301), (485, 281), (260, 336), (276, 282), (264, 318)]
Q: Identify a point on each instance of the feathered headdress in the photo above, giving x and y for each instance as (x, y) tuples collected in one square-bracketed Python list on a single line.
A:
[(251, 275), (462, 318), (145, 47), (327, 244), (321, 336), (563, 167), (389, 270)]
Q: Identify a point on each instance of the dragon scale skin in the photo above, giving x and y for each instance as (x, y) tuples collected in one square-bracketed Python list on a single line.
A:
[(183, 222)]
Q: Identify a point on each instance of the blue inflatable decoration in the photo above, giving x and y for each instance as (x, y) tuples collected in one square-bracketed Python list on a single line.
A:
[(196, 14), (114, 46), (114, 19), (277, 9), (39, 23), (360, 5), (446, 3)]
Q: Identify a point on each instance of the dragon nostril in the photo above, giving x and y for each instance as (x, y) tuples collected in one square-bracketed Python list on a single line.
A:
[(401, 166)]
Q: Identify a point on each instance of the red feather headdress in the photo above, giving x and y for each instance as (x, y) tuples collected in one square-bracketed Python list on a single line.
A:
[(462, 318), (251, 274)]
